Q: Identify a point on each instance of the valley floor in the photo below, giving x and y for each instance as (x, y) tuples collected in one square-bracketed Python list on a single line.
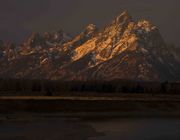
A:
[(133, 116), (124, 104)]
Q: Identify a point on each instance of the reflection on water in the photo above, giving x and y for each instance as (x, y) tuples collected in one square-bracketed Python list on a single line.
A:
[(138, 129), (55, 127)]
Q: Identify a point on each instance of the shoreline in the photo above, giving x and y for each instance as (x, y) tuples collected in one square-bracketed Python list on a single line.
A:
[(72, 106)]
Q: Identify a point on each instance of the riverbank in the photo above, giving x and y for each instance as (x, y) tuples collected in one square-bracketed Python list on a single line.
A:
[(121, 105)]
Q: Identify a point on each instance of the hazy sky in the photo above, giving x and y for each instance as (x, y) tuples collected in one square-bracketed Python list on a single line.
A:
[(18, 18)]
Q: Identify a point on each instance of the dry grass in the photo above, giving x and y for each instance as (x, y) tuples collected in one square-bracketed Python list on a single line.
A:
[(108, 97)]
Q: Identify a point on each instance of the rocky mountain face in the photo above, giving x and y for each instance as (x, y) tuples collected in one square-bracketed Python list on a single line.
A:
[(124, 49)]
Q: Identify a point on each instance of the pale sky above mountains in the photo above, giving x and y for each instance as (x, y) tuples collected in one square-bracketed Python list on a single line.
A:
[(18, 18)]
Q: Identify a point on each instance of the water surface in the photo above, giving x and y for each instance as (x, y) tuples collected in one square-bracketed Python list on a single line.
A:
[(57, 127)]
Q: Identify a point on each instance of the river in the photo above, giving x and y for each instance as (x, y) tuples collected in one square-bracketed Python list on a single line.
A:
[(38, 126)]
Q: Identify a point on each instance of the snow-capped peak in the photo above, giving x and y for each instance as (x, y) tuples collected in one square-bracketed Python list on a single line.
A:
[(146, 25), (123, 18), (84, 36), (90, 28)]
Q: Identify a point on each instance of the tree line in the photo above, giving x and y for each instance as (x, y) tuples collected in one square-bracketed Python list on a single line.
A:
[(50, 88)]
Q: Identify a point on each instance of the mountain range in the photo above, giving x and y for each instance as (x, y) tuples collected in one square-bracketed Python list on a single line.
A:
[(124, 49)]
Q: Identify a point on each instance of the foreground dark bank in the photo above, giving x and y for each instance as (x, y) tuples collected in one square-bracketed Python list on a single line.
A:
[(55, 126)]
